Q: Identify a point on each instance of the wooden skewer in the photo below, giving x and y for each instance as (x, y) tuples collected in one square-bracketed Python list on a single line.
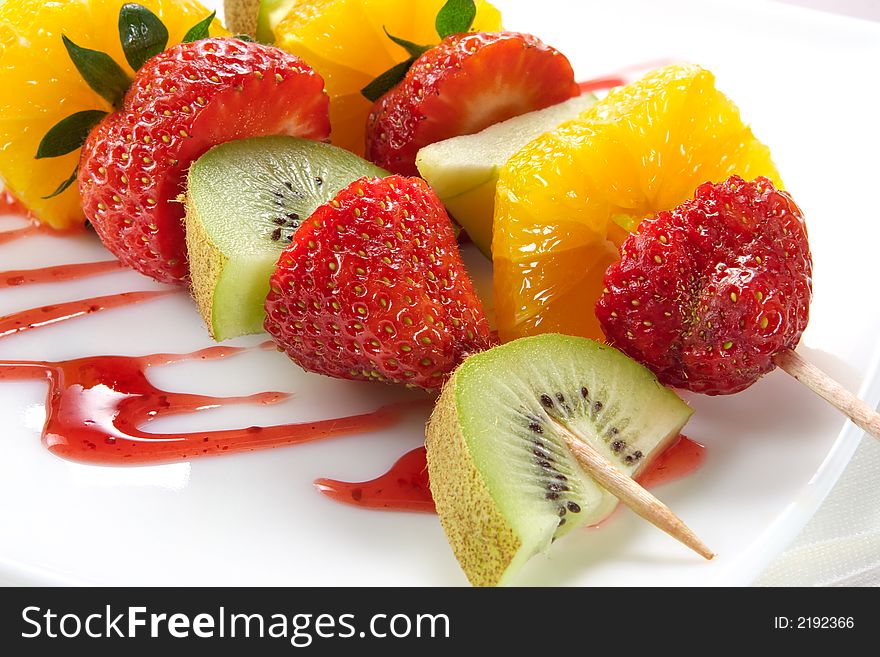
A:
[(830, 390), (658, 514), (632, 494)]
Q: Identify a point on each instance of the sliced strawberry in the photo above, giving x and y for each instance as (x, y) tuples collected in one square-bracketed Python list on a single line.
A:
[(467, 83), (373, 288), (183, 101)]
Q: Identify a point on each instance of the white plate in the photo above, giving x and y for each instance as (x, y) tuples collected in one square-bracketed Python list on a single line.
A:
[(808, 84)]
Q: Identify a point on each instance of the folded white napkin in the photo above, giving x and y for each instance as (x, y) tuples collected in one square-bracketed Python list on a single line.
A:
[(841, 544)]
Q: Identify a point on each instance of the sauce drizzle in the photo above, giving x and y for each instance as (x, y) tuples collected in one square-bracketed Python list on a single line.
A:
[(33, 318), (18, 233), (601, 84), (58, 273), (95, 407), (623, 76), (682, 458)]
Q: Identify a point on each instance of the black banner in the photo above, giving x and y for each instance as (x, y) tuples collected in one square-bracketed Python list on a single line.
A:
[(412, 621)]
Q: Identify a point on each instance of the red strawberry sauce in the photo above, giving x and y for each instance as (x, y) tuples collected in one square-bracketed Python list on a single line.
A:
[(58, 273), (601, 84), (17, 233), (97, 405), (405, 486), (62, 312)]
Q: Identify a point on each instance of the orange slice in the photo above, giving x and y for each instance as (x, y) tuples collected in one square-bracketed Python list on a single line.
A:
[(565, 202)]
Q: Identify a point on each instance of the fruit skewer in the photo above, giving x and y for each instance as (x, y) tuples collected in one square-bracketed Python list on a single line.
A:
[(410, 228)]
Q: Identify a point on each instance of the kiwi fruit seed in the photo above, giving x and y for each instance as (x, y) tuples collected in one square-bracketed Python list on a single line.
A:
[(503, 479), (244, 201)]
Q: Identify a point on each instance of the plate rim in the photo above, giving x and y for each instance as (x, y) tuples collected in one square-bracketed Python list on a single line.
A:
[(769, 545)]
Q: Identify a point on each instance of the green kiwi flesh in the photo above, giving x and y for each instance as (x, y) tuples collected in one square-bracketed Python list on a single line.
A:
[(503, 479), (244, 201)]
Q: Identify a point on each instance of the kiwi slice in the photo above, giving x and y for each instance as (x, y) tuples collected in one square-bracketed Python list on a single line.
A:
[(244, 201), (504, 481)]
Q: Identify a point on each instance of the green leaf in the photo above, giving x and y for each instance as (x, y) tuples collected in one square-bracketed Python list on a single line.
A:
[(455, 16), (99, 71), (244, 37), (414, 49), (200, 29), (387, 81), (63, 186), (68, 134), (141, 33)]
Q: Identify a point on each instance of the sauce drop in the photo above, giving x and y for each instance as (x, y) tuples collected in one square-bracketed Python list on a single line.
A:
[(405, 487), (683, 457)]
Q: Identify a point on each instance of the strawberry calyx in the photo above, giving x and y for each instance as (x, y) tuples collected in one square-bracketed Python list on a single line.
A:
[(454, 17), (143, 36)]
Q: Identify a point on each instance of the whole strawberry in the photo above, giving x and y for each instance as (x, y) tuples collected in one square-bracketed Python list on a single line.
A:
[(707, 294), (373, 288), (183, 101), (461, 86)]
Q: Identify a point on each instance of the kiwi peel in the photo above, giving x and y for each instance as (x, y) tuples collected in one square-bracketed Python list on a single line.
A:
[(241, 15), (504, 481), (244, 201)]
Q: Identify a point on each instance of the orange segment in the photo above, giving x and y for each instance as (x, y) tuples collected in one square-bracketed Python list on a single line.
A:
[(344, 41), (41, 87), (561, 200)]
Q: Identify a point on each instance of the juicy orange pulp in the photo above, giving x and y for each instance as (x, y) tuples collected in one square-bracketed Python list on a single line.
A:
[(344, 41), (41, 86), (564, 201)]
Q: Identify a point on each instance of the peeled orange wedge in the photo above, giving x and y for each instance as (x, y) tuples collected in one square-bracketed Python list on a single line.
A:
[(566, 201), (41, 86), (344, 41)]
